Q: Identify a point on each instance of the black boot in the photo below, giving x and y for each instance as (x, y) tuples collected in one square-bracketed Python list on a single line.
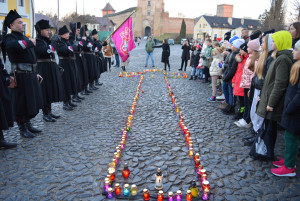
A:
[(31, 128), (24, 132), (180, 69), (229, 111), (93, 87), (4, 144), (195, 78), (72, 104), (191, 78), (46, 115), (249, 142), (76, 99), (67, 106), (84, 92), (80, 96), (53, 115)]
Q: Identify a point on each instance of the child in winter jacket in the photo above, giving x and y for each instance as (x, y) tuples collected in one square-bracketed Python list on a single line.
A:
[(215, 70), (248, 74), (238, 92), (207, 59), (199, 70), (196, 58)]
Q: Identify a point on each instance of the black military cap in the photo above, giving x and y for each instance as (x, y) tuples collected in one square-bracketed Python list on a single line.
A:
[(94, 32), (11, 17), (42, 24), (63, 30)]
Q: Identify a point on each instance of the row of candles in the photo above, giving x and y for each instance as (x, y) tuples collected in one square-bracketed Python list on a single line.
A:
[(190, 194), (176, 75), (200, 171), (137, 74), (110, 178)]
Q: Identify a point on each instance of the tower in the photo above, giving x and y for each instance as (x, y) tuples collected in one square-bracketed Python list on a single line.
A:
[(108, 9), (225, 10)]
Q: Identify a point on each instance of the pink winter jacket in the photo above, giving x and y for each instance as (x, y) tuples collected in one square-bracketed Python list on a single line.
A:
[(247, 74)]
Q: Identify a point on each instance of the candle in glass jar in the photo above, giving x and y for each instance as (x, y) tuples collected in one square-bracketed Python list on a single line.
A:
[(133, 190), (126, 189), (111, 172), (205, 185), (178, 195), (171, 196), (203, 171), (189, 196), (110, 193), (197, 163), (205, 195), (197, 156), (146, 194), (160, 196), (204, 177), (191, 152), (118, 189), (126, 171), (106, 186)]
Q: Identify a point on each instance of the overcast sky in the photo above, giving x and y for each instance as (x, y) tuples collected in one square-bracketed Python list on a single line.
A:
[(190, 8)]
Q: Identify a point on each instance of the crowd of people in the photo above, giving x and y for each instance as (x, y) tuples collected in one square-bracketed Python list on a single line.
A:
[(37, 80), (258, 76)]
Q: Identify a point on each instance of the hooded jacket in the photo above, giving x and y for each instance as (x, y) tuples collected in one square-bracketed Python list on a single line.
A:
[(236, 80), (247, 74), (214, 69), (277, 78)]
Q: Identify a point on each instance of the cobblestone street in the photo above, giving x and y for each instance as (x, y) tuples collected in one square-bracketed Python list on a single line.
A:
[(69, 160)]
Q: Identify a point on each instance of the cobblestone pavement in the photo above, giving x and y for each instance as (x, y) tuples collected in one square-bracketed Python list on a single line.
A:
[(69, 160)]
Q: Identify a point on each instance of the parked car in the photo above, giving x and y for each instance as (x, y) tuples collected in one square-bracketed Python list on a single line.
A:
[(171, 41)]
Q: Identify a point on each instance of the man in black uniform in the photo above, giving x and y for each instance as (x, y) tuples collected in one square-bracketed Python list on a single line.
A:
[(89, 54), (6, 118), (52, 85), (27, 94), (98, 52), (77, 44), (67, 62)]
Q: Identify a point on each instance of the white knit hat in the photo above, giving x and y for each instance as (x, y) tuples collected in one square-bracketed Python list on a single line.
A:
[(237, 43), (297, 45)]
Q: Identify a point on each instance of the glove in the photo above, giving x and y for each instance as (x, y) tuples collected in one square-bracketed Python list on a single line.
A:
[(90, 44), (80, 43), (51, 49), (7, 81), (220, 64), (96, 49), (70, 48)]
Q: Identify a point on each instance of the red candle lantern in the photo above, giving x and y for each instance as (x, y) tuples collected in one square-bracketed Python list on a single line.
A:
[(126, 171), (203, 171), (197, 163), (189, 196), (160, 196), (197, 156), (118, 189), (146, 194), (204, 177), (206, 186)]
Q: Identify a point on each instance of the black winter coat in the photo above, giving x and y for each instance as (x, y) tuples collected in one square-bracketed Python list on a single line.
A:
[(232, 67), (291, 113), (196, 58), (185, 52), (165, 53)]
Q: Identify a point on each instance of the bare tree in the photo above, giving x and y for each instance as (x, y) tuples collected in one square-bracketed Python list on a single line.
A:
[(73, 17), (296, 5), (275, 17)]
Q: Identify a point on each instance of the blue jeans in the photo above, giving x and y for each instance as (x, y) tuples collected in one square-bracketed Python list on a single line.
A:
[(199, 73), (117, 60), (228, 93), (147, 58), (193, 71)]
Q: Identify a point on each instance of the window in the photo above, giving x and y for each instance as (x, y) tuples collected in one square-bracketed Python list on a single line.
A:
[(149, 3), (215, 36), (2, 1), (20, 3), (148, 13), (200, 25)]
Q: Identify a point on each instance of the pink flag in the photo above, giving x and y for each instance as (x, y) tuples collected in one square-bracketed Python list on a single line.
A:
[(123, 39)]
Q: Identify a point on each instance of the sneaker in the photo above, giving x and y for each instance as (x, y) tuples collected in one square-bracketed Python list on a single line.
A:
[(243, 124), (212, 99), (219, 98), (279, 163), (238, 122), (284, 171), (223, 105)]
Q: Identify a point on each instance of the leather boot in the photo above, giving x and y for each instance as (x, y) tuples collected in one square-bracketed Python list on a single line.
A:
[(4, 144), (67, 106), (238, 115), (46, 115), (72, 104), (180, 69), (93, 87), (195, 78), (191, 78), (84, 92), (24, 132), (88, 91), (75, 99), (31, 128), (80, 96), (249, 142)]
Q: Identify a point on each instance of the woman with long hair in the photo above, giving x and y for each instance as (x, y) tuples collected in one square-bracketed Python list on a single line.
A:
[(276, 82), (248, 74), (165, 53), (295, 31), (290, 121)]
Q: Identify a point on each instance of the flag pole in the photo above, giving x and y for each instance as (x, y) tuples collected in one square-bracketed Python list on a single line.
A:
[(119, 26)]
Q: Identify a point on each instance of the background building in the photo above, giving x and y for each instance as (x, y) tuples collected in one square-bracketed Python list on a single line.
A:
[(150, 18), (216, 26), (23, 7)]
